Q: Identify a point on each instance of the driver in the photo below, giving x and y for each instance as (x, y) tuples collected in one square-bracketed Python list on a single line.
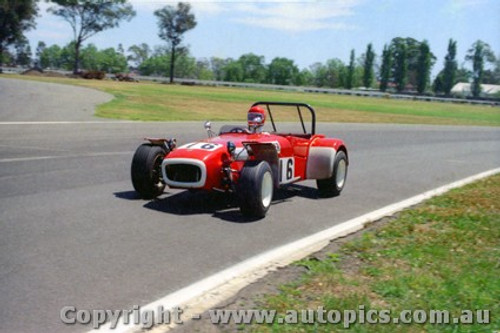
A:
[(256, 119)]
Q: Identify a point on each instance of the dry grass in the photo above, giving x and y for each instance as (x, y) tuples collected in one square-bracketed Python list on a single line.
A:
[(153, 101)]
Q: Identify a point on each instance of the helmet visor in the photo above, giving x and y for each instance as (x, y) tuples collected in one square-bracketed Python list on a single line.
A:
[(255, 118)]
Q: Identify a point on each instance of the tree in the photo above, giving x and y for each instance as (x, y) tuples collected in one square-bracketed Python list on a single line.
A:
[(405, 67), (90, 58), (332, 74), (400, 68), (350, 71), (50, 57), (139, 53), (233, 71), (6, 58), (496, 71), (336, 73), (437, 85), (88, 18), (16, 16), (423, 67), (185, 65), (463, 75), (155, 65), (112, 61), (282, 71), (39, 50), (450, 68), (23, 52), (108, 60), (159, 64), (478, 54), (67, 56), (318, 74), (203, 71), (254, 68), (385, 71), (369, 59), (412, 55), (492, 76), (173, 23), (217, 66), (304, 78)]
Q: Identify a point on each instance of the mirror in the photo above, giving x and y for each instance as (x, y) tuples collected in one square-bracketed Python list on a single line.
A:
[(208, 125), (208, 128)]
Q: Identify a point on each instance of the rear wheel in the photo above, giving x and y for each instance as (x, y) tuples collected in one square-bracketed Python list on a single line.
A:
[(255, 189), (146, 171), (331, 187)]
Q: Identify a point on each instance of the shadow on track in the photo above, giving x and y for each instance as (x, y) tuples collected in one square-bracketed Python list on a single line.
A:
[(219, 205)]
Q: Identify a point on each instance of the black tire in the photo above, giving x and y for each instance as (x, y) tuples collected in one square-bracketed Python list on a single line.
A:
[(255, 189), (331, 187), (146, 171)]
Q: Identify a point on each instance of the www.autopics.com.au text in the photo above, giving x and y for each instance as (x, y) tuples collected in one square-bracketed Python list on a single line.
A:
[(148, 318)]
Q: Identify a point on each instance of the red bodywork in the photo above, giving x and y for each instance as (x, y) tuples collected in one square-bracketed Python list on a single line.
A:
[(293, 158)]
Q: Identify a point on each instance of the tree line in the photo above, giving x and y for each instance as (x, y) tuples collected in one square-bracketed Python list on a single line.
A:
[(404, 65)]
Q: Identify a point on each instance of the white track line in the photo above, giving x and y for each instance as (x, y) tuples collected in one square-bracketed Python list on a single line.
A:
[(207, 293), (38, 158), (65, 122)]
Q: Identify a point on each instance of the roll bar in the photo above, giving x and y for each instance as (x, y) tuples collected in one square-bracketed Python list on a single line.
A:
[(299, 111)]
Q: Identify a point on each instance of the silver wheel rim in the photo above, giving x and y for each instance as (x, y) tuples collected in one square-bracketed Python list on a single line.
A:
[(267, 189), (341, 171)]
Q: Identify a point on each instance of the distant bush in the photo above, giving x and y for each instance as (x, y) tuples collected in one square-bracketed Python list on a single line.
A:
[(125, 78), (97, 75)]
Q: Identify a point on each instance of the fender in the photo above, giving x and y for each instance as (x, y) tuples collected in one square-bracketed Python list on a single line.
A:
[(265, 152), (167, 144), (322, 152)]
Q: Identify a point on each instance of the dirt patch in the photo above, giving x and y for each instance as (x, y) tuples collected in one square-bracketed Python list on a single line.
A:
[(32, 72), (37, 72), (53, 74)]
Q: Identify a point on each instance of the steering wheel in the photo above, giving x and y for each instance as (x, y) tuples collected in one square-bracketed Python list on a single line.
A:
[(238, 130)]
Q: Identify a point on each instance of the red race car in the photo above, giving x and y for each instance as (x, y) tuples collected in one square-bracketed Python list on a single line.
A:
[(251, 161)]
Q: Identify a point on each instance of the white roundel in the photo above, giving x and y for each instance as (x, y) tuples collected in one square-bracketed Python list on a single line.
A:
[(208, 146)]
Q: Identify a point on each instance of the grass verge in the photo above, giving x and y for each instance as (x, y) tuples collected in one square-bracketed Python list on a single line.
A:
[(441, 255), (160, 102)]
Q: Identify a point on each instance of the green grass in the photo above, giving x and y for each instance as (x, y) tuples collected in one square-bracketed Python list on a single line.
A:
[(154, 102), (441, 255)]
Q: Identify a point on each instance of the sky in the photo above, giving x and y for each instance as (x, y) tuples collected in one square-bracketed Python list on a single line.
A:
[(306, 31)]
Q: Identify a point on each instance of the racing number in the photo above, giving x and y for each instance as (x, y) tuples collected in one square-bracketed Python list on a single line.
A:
[(286, 170), (207, 146), (289, 169), (202, 145)]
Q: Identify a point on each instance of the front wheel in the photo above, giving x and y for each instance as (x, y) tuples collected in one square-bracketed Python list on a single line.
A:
[(255, 189), (146, 171), (331, 187)]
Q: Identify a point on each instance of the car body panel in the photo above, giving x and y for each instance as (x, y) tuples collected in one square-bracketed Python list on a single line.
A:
[(297, 158)]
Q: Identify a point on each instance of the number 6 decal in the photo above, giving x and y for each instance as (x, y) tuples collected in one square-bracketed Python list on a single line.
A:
[(202, 145), (287, 170)]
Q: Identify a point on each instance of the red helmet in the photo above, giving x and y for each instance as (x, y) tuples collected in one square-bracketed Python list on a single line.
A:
[(256, 116)]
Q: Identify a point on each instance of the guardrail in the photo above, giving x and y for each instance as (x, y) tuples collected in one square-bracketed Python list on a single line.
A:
[(261, 86), (355, 92)]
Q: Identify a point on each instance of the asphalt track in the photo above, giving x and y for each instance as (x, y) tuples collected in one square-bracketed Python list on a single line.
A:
[(72, 231)]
